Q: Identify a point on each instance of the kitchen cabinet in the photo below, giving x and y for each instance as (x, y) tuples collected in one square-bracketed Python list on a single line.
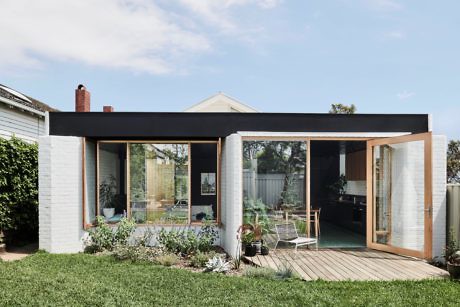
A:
[(355, 165)]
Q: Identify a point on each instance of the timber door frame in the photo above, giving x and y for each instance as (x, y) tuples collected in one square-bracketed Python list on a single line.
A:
[(428, 194)]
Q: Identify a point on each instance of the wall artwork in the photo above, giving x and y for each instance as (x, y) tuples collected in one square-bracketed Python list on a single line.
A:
[(208, 183)]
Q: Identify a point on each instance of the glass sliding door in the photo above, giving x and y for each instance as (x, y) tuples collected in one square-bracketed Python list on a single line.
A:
[(274, 183), (401, 195), (159, 183)]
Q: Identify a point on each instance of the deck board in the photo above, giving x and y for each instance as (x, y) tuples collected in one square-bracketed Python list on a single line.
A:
[(341, 264)]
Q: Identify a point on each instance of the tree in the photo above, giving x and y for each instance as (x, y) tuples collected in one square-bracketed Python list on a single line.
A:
[(453, 162), (338, 108)]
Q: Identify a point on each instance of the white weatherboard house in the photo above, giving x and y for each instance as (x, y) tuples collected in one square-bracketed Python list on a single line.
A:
[(375, 180), (21, 116)]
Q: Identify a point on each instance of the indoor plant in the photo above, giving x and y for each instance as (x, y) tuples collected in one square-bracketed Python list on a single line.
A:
[(107, 196), (338, 189)]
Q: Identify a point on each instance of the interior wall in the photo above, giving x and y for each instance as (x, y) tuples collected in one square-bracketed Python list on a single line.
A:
[(325, 169), (203, 160)]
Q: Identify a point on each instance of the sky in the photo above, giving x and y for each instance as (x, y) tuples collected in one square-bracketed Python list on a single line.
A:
[(384, 56)]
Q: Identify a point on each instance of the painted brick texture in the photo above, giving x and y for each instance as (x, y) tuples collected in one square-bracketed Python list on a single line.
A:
[(60, 194)]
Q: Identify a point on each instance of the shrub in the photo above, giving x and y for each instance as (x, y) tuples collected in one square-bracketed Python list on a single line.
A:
[(135, 253), (166, 259), (217, 264), (19, 188), (200, 259), (103, 237), (259, 272), (285, 272), (187, 241), (145, 239)]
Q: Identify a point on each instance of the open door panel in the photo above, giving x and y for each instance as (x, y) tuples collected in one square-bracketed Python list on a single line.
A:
[(399, 195)]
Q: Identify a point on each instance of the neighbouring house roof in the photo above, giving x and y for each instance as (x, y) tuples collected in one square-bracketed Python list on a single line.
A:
[(221, 102), (29, 102)]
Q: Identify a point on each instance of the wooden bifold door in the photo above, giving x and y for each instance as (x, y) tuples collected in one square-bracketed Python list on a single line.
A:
[(399, 195)]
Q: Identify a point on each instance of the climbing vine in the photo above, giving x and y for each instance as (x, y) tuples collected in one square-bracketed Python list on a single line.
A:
[(19, 188)]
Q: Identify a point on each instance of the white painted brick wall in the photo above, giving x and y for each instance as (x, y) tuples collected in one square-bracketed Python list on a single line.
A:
[(232, 202), (439, 194), (407, 195), (60, 194)]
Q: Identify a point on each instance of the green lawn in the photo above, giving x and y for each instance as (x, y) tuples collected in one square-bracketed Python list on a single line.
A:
[(44, 279)]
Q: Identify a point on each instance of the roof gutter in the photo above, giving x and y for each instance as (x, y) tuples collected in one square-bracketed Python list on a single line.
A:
[(21, 106)]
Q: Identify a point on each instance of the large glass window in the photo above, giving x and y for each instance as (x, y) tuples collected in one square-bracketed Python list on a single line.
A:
[(159, 183), (112, 181), (274, 174), (154, 183), (204, 182)]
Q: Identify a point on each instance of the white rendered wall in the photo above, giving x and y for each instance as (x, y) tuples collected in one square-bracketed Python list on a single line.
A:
[(439, 195), (60, 194), (232, 194)]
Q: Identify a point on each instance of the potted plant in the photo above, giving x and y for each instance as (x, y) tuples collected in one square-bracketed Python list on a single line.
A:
[(264, 249), (247, 238), (107, 195), (338, 189), (452, 254)]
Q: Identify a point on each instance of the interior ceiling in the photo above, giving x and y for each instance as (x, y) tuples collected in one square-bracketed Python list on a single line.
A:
[(325, 148)]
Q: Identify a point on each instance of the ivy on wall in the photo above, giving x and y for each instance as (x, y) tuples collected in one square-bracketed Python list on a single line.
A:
[(19, 189)]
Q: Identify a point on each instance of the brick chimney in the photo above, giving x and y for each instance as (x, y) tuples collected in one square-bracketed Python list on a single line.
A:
[(108, 109), (82, 99)]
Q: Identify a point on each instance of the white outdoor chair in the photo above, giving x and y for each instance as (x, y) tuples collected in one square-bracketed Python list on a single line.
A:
[(287, 232)]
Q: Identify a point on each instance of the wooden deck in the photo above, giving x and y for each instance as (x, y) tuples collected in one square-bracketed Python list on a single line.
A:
[(340, 264)]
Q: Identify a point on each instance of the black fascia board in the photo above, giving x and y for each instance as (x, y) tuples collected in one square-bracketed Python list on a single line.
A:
[(213, 125)]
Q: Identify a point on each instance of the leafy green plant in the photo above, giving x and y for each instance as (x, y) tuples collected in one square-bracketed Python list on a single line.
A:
[(19, 188), (338, 188), (259, 272), (187, 241), (217, 264), (135, 253), (247, 237), (146, 238), (104, 237), (107, 192), (451, 247), (166, 260), (285, 271), (200, 259)]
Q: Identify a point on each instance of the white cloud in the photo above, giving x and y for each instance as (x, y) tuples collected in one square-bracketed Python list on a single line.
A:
[(405, 95), (384, 5), (138, 35), (218, 12), (395, 35)]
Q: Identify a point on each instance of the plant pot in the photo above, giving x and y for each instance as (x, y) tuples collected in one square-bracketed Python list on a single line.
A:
[(108, 212), (454, 270), (264, 250), (250, 250), (258, 245)]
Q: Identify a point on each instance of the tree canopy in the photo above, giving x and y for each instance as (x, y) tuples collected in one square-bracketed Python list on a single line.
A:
[(453, 162), (338, 108)]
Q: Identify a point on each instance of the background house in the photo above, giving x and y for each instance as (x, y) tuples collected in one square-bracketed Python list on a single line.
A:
[(21, 115), (221, 102)]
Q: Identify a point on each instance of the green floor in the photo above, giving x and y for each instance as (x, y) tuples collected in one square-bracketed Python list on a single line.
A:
[(333, 236)]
